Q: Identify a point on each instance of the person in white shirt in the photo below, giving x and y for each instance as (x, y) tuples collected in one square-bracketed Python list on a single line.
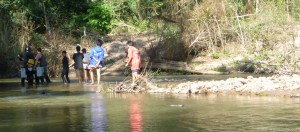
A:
[(86, 62)]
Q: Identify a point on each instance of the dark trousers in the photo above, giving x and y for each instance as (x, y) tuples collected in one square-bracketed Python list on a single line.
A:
[(46, 75), (65, 75), (38, 79)]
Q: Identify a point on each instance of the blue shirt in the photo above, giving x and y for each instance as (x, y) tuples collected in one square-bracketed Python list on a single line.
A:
[(97, 53)]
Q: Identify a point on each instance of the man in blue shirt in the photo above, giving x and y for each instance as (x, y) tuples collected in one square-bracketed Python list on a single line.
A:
[(96, 62)]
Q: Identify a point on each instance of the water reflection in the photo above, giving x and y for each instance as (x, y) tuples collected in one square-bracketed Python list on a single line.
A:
[(98, 113), (23, 90), (135, 115)]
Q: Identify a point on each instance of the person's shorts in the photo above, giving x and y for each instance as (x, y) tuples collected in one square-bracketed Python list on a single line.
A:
[(94, 66), (86, 66), (135, 70)]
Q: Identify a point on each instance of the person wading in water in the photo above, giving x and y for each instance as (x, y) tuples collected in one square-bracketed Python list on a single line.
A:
[(96, 62), (134, 60)]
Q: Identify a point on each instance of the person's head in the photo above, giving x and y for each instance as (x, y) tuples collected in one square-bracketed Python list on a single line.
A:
[(78, 48), (64, 53), (130, 43), (83, 50), (99, 42), (39, 49)]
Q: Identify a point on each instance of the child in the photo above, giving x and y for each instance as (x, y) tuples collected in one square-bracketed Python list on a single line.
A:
[(86, 62), (65, 70)]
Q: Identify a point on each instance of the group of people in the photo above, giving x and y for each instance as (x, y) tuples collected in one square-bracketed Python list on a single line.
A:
[(34, 66), (83, 63)]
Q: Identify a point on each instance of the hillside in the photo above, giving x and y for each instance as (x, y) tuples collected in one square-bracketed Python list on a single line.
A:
[(238, 60)]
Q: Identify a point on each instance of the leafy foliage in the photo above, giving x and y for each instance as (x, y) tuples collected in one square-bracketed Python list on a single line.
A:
[(191, 25), (99, 17)]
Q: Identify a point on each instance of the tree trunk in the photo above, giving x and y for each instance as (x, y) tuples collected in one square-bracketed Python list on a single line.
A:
[(287, 4), (4, 30), (257, 6), (138, 10), (48, 28)]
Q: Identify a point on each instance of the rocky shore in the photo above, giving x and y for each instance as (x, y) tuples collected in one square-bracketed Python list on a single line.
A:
[(276, 85)]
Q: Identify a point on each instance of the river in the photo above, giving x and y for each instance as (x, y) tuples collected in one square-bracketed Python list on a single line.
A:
[(59, 107)]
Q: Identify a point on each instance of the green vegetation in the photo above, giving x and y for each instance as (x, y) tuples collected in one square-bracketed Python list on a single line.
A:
[(185, 28), (221, 69), (215, 56)]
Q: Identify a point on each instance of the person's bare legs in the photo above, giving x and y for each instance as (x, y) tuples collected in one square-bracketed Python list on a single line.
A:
[(85, 72), (98, 75), (92, 75), (134, 78), (78, 73)]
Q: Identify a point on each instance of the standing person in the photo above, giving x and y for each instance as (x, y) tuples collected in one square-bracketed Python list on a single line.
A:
[(134, 60), (86, 62), (96, 60), (78, 64), (40, 61), (27, 59), (65, 68)]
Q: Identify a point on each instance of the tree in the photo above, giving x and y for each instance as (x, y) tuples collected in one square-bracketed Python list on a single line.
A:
[(99, 18)]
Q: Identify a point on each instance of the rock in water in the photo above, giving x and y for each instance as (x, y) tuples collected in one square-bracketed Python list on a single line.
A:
[(178, 105), (295, 96)]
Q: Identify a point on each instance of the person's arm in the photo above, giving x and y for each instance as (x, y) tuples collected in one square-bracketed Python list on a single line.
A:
[(93, 58), (66, 62), (20, 57), (37, 57), (129, 57), (73, 57), (72, 64), (92, 55), (25, 59), (101, 58), (129, 60)]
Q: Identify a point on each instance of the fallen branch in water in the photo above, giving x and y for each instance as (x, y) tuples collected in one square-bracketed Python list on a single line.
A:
[(126, 87)]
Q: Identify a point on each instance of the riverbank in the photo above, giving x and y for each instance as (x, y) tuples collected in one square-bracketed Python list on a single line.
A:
[(276, 85), (241, 84)]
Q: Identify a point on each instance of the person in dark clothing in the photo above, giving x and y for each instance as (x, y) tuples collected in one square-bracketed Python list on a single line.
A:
[(78, 64), (65, 68), (40, 61), (27, 58)]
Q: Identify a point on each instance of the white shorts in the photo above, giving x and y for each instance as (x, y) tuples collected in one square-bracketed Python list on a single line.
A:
[(86, 66)]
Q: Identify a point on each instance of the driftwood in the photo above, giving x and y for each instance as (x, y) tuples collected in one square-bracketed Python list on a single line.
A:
[(126, 86)]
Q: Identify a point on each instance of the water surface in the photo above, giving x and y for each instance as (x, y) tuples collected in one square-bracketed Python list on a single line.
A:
[(59, 107)]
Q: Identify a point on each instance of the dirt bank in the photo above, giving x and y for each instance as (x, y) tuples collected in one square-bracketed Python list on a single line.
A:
[(277, 85)]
